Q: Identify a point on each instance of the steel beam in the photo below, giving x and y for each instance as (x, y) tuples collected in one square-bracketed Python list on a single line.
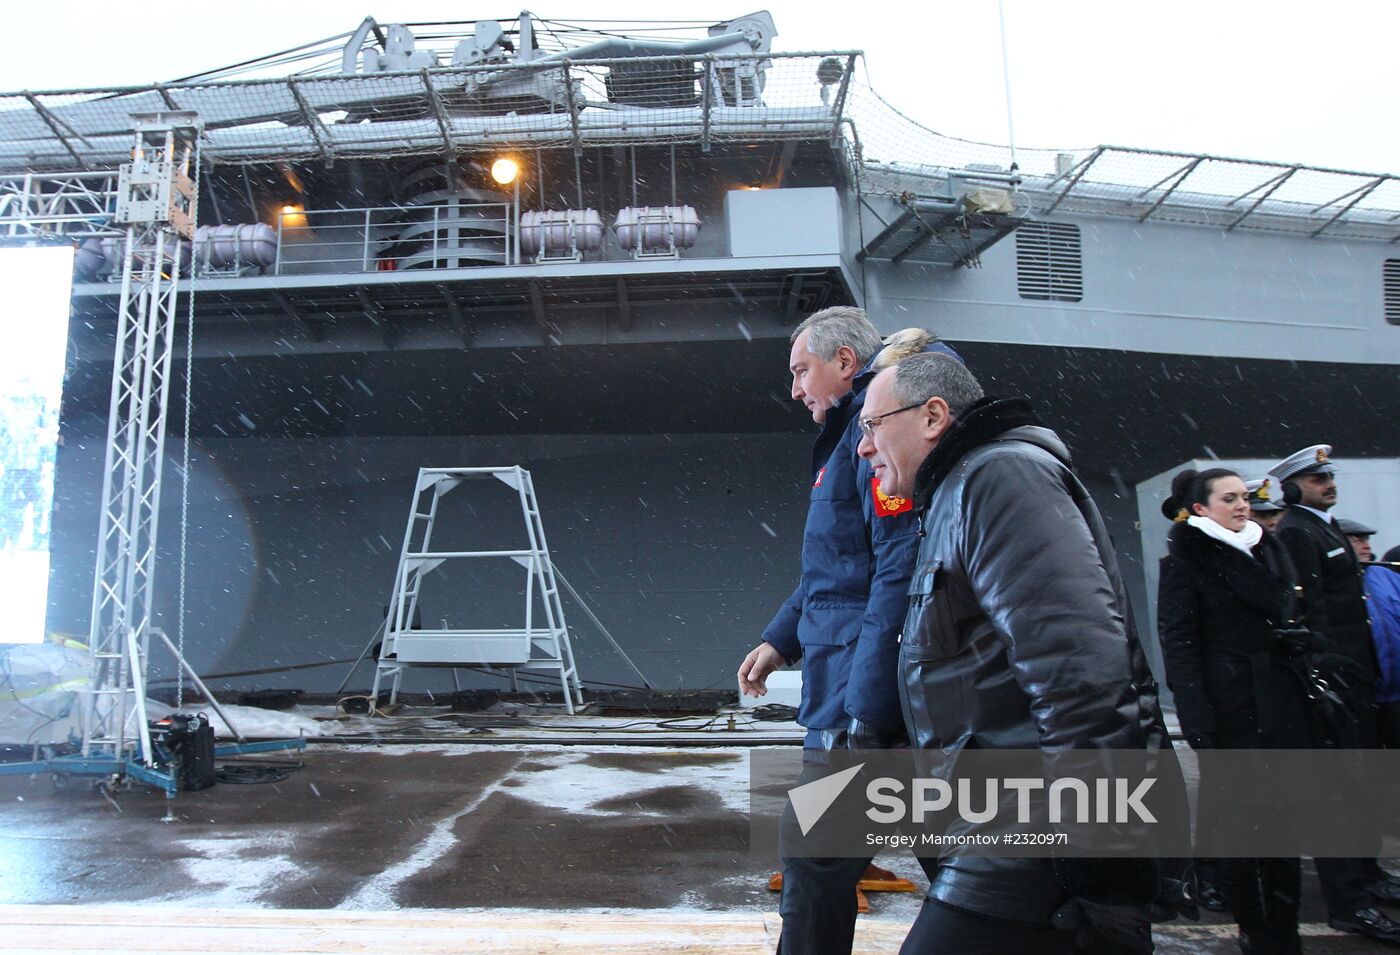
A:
[(789, 149), (793, 297), (1361, 193), (537, 308), (1074, 180), (371, 310), (314, 329), (572, 102), (923, 234), (885, 235), (708, 89), (57, 127), (440, 114), (454, 314), (1273, 185), (67, 204), (313, 123), (1168, 177), (839, 106), (624, 308), (166, 97), (1189, 168)]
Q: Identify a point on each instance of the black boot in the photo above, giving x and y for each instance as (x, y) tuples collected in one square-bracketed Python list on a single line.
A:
[(1255, 941)]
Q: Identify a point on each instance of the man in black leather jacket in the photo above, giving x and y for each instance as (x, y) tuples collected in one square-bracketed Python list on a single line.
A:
[(1018, 636)]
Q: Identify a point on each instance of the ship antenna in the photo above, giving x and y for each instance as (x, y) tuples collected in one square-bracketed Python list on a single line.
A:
[(1006, 83)]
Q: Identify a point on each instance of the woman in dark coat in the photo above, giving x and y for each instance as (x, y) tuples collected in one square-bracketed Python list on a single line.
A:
[(1227, 587)]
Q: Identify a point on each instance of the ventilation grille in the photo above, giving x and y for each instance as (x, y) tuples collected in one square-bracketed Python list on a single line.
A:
[(1049, 262), (1392, 291)]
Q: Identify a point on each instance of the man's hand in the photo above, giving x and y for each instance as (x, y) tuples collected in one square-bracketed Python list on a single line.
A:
[(753, 672), (1296, 640)]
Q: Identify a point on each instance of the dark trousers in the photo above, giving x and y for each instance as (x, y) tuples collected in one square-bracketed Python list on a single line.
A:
[(1388, 724), (1344, 881), (1343, 884), (943, 930), (818, 904), (1263, 896)]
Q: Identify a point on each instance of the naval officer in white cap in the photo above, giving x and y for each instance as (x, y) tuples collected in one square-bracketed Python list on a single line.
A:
[(1333, 597), (1334, 604)]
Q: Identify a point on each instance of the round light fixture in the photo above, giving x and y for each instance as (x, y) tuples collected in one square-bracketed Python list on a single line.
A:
[(504, 171)]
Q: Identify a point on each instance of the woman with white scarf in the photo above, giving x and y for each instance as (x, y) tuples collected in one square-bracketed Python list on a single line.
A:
[(1227, 590)]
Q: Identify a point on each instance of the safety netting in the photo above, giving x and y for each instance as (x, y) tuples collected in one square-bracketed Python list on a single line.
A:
[(325, 113)]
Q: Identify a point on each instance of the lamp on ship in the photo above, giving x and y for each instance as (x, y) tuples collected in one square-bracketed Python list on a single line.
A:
[(505, 170)]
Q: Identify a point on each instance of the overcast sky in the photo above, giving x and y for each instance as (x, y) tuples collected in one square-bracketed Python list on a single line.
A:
[(1311, 82)]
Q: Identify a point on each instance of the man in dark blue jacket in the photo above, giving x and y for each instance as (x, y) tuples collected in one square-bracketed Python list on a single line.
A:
[(843, 620)]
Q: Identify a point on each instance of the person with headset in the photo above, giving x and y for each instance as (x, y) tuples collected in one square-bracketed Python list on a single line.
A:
[(1264, 509), (1334, 605)]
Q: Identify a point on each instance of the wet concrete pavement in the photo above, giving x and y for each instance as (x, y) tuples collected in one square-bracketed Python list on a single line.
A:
[(450, 827), (443, 827)]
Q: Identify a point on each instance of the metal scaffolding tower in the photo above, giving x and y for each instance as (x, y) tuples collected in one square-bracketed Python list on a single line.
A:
[(153, 198), (155, 201)]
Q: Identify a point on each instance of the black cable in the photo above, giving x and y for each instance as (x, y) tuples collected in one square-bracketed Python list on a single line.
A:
[(264, 671), (678, 723), (774, 713), (290, 668), (254, 773), (546, 681), (503, 722)]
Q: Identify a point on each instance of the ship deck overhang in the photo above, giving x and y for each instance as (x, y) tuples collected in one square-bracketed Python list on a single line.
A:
[(791, 285)]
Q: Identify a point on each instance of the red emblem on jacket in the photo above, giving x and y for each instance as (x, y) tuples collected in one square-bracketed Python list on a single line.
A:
[(886, 506), (820, 474)]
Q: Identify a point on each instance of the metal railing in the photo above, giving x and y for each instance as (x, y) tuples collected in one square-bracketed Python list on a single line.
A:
[(394, 238)]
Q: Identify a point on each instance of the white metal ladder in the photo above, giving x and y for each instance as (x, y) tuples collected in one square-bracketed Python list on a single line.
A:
[(534, 647)]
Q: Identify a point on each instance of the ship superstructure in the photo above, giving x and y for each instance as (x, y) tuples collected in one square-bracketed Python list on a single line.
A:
[(581, 248)]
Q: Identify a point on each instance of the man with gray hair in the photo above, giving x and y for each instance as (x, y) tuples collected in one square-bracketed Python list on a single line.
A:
[(843, 619), (1018, 636)]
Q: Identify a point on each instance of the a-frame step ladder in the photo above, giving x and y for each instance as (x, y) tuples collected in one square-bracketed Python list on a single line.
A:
[(538, 646)]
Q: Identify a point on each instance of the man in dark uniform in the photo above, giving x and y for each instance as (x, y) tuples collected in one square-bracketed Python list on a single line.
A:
[(843, 619), (1334, 605)]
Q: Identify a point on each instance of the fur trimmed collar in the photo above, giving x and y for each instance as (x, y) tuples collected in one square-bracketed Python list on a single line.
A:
[(985, 421)]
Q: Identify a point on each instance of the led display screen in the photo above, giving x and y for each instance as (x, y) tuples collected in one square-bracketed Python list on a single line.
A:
[(37, 284)]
